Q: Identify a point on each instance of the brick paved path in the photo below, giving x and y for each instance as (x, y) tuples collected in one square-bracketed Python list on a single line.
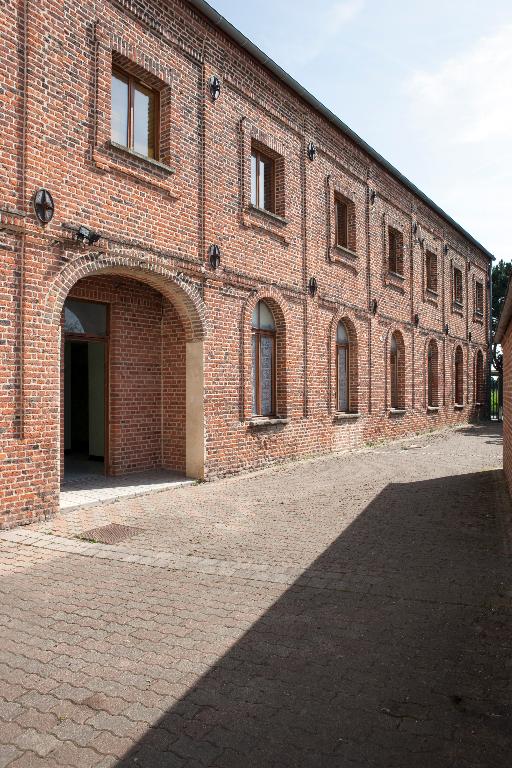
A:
[(345, 611)]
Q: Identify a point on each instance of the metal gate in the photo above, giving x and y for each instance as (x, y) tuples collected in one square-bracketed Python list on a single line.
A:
[(496, 398)]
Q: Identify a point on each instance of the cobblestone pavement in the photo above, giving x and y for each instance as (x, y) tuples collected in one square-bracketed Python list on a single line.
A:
[(351, 610)]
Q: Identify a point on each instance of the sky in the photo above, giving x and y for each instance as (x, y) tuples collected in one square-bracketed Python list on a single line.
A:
[(427, 83)]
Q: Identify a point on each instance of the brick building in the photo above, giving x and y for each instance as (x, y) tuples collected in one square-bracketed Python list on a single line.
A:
[(264, 284), (503, 336)]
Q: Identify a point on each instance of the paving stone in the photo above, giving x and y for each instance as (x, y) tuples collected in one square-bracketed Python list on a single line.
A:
[(349, 610), (8, 753)]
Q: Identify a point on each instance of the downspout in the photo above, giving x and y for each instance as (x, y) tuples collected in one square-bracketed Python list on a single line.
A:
[(23, 190), (489, 355)]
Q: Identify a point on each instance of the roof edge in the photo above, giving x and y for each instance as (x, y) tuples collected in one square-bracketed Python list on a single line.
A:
[(231, 31)]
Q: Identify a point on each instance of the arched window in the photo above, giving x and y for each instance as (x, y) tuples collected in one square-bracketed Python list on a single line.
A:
[(397, 371), (432, 375), (342, 369), (459, 377), (263, 361), (479, 377)]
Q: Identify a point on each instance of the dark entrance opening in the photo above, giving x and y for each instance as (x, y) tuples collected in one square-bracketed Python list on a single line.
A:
[(85, 385)]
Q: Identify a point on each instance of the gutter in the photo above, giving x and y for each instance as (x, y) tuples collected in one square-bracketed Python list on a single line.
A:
[(232, 32)]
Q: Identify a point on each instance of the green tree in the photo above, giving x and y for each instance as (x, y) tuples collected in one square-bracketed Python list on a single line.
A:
[(501, 272)]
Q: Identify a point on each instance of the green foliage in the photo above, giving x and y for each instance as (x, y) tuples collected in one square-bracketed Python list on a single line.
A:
[(500, 276), (501, 272)]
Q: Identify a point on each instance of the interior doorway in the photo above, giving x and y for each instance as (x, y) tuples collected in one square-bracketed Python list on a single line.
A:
[(85, 388)]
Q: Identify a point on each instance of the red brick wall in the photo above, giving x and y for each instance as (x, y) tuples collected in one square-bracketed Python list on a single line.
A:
[(146, 372), (507, 406), (157, 222)]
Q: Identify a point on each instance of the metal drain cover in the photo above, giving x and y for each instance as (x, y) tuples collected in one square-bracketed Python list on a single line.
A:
[(110, 534)]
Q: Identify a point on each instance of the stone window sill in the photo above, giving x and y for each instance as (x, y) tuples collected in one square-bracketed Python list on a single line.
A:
[(477, 318), (345, 252), (267, 421), (432, 408), (478, 405), (395, 275), (458, 406), (342, 416), (458, 308), (137, 156), (434, 295), (397, 411), (269, 214)]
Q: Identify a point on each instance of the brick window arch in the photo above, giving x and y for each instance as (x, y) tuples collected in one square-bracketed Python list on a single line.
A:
[(479, 377), (397, 371), (432, 375), (459, 376)]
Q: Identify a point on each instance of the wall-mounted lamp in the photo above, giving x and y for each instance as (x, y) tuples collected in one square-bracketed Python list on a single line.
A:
[(469, 336), (416, 319), (214, 254), (446, 249), (86, 235), (44, 206), (373, 195), (374, 306), (214, 84), (446, 329), (312, 286), (311, 150)]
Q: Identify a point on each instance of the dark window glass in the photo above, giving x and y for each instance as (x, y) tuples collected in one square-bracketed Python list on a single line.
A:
[(432, 375), (457, 286), (395, 251), (341, 224), (431, 271), (459, 376), (85, 317), (479, 298)]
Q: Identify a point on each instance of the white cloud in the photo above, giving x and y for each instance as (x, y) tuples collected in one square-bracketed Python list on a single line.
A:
[(461, 117), (311, 29), (470, 94)]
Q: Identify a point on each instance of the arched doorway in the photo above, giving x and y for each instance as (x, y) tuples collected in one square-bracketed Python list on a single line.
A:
[(131, 366)]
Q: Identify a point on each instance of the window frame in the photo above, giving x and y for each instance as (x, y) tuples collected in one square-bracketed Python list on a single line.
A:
[(432, 391), (345, 347), (479, 304), (458, 298), (259, 155), (432, 284), (342, 237), (459, 375), (258, 334), (132, 81), (395, 251)]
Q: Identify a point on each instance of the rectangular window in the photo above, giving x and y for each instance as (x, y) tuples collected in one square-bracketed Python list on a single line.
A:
[(134, 115), (262, 181), (395, 251), (479, 298), (341, 223), (457, 286), (431, 269)]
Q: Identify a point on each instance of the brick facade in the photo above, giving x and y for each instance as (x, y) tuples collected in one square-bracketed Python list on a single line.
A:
[(180, 371)]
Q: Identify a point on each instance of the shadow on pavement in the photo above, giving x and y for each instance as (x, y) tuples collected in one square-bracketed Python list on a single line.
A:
[(393, 649)]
